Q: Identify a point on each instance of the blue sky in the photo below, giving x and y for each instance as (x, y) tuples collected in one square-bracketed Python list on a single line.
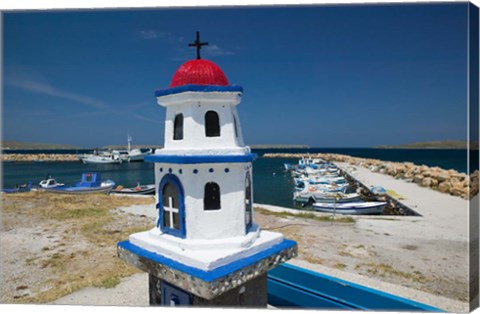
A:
[(324, 75)]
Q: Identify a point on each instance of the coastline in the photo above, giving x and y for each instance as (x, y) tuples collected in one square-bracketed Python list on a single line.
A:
[(39, 157), (445, 181)]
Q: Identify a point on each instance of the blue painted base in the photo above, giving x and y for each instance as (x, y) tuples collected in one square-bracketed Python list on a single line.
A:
[(214, 274)]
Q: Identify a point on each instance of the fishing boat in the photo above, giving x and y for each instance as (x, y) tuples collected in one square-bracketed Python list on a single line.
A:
[(322, 197), (353, 208), (324, 187), (147, 189), (49, 183), (90, 183), (102, 158), (19, 188), (321, 180), (132, 154)]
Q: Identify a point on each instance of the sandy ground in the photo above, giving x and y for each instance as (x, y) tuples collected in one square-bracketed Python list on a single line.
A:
[(356, 252), (420, 258)]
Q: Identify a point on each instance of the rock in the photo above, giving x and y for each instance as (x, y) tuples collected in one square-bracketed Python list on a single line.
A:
[(418, 179), (457, 191), (429, 182), (441, 176), (444, 187)]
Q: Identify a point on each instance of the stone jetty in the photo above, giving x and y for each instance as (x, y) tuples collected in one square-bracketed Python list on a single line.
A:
[(38, 157), (446, 181)]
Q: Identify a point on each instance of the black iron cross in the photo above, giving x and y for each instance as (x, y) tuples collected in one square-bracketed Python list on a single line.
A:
[(197, 44)]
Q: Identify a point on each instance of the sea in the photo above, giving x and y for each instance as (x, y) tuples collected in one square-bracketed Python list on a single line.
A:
[(271, 184)]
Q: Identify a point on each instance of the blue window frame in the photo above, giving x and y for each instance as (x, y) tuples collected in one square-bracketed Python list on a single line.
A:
[(171, 206)]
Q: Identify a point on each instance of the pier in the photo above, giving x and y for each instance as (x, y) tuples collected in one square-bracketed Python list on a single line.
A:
[(39, 157), (393, 203)]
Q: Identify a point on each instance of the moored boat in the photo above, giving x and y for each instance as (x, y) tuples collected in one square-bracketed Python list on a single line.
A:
[(90, 183), (19, 189), (102, 158), (147, 189), (353, 208), (49, 183), (322, 197)]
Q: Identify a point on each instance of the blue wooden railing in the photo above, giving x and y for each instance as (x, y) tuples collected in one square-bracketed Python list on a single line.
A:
[(292, 286)]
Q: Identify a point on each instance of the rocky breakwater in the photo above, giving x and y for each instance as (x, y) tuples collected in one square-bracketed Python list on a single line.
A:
[(445, 181), (38, 157)]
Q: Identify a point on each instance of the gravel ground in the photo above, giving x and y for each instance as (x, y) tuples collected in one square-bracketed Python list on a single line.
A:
[(385, 253)]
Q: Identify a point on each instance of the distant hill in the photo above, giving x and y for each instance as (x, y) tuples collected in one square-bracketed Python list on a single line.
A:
[(133, 146), (277, 146), (26, 145), (449, 144)]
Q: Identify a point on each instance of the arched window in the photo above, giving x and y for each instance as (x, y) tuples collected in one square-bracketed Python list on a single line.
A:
[(211, 197), (171, 206), (212, 124), (248, 202), (178, 127)]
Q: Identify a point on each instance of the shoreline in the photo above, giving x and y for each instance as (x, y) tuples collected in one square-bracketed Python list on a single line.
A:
[(445, 181), (39, 158)]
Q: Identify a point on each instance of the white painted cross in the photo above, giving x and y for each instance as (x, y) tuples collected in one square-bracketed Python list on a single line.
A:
[(170, 210)]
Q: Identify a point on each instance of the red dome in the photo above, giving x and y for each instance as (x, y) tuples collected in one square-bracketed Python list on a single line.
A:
[(199, 72)]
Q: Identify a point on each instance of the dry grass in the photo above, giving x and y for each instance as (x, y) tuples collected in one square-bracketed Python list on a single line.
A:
[(304, 215), (384, 270), (395, 195), (87, 230)]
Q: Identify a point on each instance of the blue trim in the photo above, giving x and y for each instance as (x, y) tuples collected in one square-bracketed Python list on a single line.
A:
[(200, 159), (198, 88), (172, 179), (213, 274), (292, 286)]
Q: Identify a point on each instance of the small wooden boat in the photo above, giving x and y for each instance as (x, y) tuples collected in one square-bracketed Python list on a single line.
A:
[(19, 189), (137, 190), (49, 183), (353, 208), (319, 197), (90, 183)]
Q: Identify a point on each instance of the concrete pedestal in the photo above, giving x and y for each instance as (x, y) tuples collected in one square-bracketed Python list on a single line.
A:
[(240, 283)]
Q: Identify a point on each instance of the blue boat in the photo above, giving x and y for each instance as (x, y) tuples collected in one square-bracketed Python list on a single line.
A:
[(19, 189), (91, 182)]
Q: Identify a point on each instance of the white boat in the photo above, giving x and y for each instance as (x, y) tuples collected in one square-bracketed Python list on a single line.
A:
[(102, 158), (321, 187), (132, 155), (321, 180), (353, 208), (322, 197), (137, 154), (49, 183)]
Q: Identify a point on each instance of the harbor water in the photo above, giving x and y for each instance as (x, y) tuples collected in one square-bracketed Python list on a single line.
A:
[(272, 185)]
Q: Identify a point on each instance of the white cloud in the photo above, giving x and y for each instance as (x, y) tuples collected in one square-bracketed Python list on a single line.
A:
[(153, 34), (100, 106), (214, 50), (47, 89)]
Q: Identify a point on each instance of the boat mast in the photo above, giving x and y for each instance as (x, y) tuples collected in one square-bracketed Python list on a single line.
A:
[(129, 139)]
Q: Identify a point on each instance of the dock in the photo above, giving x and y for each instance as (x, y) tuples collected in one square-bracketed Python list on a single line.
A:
[(395, 203), (443, 216)]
